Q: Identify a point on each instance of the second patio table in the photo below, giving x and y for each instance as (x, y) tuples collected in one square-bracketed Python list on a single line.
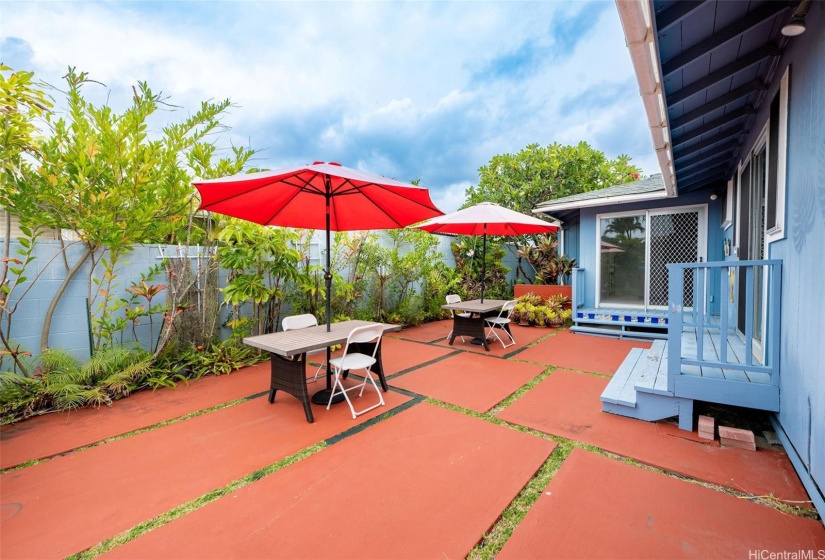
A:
[(288, 351), (474, 324)]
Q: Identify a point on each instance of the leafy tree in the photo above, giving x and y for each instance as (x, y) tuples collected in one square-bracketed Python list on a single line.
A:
[(115, 184), (521, 181)]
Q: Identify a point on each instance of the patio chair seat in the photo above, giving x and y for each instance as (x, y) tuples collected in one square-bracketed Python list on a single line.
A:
[(502, 322), (455, 298), (304, 321), (354, 360)]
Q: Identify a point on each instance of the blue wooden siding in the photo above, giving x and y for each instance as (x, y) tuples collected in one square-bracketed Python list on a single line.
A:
[(802, 340)]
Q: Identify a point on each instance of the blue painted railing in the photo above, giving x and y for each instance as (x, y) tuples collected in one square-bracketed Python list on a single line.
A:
[(719, 319), (577, 288)]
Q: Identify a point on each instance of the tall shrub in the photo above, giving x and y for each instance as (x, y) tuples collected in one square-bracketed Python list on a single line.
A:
[(115, 183)]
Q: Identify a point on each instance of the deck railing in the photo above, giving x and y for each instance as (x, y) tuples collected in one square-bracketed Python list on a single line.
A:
[(747, 308)]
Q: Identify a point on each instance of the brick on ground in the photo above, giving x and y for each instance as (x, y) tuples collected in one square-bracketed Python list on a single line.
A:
[(736, 437), (707, 427)]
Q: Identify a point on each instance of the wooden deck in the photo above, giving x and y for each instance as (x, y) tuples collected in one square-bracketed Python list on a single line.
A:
[(711, 353)]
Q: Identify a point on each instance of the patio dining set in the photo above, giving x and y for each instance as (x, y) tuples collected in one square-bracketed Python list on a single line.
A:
[(302, 336)]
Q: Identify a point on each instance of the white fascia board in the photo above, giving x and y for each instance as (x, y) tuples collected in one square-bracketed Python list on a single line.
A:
[(605, 201), (637, 23)]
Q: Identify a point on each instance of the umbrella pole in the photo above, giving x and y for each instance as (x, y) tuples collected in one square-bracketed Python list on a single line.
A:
[(322, 397), (483, 262), (328, 276)]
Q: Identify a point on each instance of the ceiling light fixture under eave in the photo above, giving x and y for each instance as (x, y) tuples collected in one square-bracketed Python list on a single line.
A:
[(796, 26)]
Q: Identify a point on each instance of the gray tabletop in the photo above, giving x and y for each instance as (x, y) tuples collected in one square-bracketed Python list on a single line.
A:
[(475, 305), (292, 343)]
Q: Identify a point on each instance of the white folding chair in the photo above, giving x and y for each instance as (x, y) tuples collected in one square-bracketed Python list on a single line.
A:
[(356, 360), (502, 322), (455, 298), (294, 322)]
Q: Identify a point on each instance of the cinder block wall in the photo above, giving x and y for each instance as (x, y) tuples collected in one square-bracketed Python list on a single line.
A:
[(70, 327)]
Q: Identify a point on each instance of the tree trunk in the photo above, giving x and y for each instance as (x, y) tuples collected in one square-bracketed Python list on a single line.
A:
[(47, 321)]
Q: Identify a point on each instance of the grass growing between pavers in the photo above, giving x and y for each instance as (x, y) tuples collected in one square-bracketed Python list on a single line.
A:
[(133, 432), (197, 503)]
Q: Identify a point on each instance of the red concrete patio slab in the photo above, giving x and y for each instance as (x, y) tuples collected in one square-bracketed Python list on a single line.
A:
[(523, 336), (70, 503), (426, 483), (469, 380), (396, 355), (582, 352), (567, 404), (399, 355), (428, 332), (596, 507), (53, 434)]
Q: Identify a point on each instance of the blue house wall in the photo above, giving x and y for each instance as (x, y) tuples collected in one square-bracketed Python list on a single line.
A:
[(802, 250)]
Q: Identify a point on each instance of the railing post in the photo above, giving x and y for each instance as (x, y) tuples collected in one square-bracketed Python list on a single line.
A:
[(749, 272), (675, 305), (724, 314), (772, 350), (576, 283), (699, 311)]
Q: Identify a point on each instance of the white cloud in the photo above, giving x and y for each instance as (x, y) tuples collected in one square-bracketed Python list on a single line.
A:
[(403, 89)]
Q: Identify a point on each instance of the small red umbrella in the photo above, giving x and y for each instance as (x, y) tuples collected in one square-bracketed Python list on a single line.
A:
[(483, 219)]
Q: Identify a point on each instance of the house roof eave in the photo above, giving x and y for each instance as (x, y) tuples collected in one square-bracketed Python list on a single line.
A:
[(637, 23)]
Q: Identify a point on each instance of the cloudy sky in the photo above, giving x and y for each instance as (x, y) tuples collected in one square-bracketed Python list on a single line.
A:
[(416, 90)]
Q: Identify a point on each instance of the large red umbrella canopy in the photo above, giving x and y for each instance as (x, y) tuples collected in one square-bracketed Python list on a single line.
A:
[(487, 218), (297, 197)]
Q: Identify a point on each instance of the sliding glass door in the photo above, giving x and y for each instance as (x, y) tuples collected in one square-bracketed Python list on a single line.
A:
[(634, 249)]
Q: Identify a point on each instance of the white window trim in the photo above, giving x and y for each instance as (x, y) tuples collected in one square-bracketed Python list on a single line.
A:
[(702, 242), (777, 232), (727, 219)]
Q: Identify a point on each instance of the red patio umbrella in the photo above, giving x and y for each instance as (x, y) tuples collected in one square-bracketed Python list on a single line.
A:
[(321, 195), (487, 218)]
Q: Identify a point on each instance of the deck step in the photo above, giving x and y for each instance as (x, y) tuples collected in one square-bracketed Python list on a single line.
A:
[(638, 389)]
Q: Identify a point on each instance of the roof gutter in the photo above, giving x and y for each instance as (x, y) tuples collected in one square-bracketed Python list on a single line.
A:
[(641, 41)]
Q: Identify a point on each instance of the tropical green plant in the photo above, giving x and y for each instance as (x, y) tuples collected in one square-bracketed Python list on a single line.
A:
[(260, 261), (469, 264), (557, 302), (62, 383)]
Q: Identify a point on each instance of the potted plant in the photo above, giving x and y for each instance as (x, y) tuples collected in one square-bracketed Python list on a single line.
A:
[(539, 317), (522, 313), (554, 318)]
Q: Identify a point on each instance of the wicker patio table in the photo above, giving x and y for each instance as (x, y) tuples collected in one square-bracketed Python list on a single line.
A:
[(474, 324), (288, 350)]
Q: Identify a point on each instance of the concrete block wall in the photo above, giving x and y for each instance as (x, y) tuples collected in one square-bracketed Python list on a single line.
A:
[(70, 326)]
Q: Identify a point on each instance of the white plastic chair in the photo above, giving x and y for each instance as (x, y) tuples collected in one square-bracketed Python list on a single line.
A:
[(502, 322), (356, 360), (455, 298), (294, 322)]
